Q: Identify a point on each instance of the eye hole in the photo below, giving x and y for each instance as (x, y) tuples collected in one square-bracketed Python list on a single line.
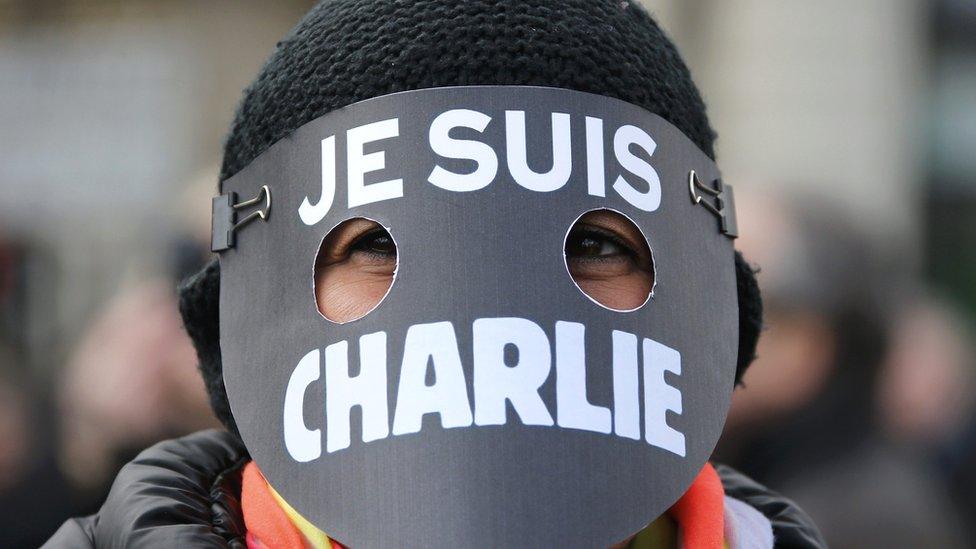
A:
[(609, 260), (354, 269)]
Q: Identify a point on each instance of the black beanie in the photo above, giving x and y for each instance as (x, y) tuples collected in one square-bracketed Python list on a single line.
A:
[(344, 51)]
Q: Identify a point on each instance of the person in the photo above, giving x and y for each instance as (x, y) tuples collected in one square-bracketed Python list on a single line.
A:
[(810, 422), (137, 349), (106, 424), (205, 490)]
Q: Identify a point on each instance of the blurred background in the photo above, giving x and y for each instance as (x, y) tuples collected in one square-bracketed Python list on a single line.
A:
[(848, 128)]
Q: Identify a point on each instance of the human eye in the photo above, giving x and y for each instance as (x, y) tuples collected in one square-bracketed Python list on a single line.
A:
[(376, 243), (590, 242), (359, 240)]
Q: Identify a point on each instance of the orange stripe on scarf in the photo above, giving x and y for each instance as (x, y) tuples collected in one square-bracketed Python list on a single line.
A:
[(700, 513), (267, 524)]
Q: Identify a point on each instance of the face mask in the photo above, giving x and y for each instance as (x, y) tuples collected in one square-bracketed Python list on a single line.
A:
[(486, 400)]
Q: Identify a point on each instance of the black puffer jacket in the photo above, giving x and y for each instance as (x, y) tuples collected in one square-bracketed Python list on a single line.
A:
[(186, 493)]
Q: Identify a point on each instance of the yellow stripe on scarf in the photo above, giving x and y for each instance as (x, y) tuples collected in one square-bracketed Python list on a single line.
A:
[(317, 539)]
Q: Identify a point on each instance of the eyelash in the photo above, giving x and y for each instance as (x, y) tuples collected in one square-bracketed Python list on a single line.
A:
[(599, 233), (360, 244)]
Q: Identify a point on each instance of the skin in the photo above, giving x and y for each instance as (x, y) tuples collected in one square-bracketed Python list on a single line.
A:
[(606, 255)]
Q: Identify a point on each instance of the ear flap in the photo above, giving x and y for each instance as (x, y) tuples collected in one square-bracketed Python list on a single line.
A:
[(750, 314), (200, 308)]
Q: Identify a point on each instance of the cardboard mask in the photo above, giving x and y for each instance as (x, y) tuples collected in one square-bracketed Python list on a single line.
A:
[(486, 401)]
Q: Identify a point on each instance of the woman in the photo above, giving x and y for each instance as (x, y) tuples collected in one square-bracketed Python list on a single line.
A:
[(204, 490)]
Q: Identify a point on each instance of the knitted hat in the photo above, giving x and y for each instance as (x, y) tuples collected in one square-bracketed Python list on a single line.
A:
[(345, 51)]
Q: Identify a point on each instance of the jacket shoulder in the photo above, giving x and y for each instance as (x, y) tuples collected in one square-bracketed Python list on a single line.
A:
[(183, 492), (792, 528)]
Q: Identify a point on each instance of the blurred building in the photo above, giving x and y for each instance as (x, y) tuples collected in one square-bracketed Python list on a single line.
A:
[(109, 109), (950, 226), (821, 93), (866, 103)]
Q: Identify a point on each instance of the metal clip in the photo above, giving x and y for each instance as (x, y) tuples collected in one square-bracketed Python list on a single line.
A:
[(724, 208), (225, 222)]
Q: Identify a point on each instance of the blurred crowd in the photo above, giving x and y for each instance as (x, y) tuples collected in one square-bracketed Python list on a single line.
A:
[(860, 405), (129, 381)]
